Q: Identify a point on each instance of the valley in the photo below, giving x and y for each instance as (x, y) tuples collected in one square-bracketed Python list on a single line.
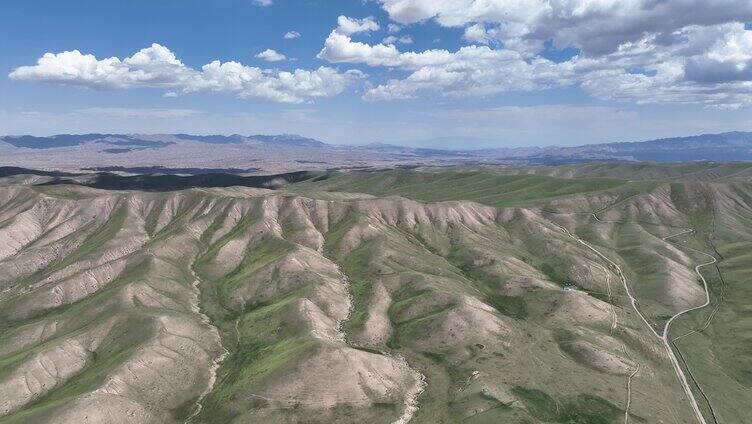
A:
[(592, 293)]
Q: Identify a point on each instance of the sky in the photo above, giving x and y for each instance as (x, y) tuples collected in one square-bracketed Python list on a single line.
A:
[(428, 73)]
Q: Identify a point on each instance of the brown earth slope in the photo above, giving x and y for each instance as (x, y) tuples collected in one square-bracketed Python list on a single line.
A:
[(253, 305)]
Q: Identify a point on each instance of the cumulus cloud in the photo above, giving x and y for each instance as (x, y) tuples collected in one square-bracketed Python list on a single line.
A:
[(291, 35), (263, 3), (474, 71), (477, 70), (729, 59), (478, 33), (393, 28), (152, 66), (391, 39), (683, 51), (157, 67), (593, 26), (708, 66), (271, 55), (350, 26), (340, 48)]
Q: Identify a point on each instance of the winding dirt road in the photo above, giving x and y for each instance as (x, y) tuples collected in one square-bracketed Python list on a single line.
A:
[(666, 329), (632, 300)]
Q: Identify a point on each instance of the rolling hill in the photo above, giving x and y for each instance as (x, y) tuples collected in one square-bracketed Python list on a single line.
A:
[(478, 295)]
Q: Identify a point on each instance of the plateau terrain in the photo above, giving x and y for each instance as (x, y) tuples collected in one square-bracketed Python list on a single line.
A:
[(271, 154), (582, 293)]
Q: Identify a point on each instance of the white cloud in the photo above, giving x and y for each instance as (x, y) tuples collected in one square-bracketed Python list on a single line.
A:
[(393, 28), (284, 87), (263, 3), (478, 33), (339, 48), (596, 27), (474, 70), (270, 55), (157, 67), (728, 59), (152, 66), (349, 26), (291, 35), (710, 66), (694, 59), (391, 39)]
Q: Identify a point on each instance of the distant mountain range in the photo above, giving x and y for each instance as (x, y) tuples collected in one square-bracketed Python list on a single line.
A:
[(730, 146), (273, 153)]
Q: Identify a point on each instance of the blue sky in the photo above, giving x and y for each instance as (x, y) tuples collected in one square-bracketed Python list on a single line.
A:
[(452, 74)]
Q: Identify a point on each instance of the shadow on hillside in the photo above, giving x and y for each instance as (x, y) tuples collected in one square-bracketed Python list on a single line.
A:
[(171, 171), (10, 171), (158, 182)]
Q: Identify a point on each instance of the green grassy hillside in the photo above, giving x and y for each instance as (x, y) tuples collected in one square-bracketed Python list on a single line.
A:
[(429, 296)]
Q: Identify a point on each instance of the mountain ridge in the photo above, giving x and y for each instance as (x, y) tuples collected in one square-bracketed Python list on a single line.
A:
[(290, 152), (67, 140), (445, 295)]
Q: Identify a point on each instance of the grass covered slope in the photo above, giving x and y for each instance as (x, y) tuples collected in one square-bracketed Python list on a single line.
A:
[(633, 219), (332, 300), (490, 188)]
